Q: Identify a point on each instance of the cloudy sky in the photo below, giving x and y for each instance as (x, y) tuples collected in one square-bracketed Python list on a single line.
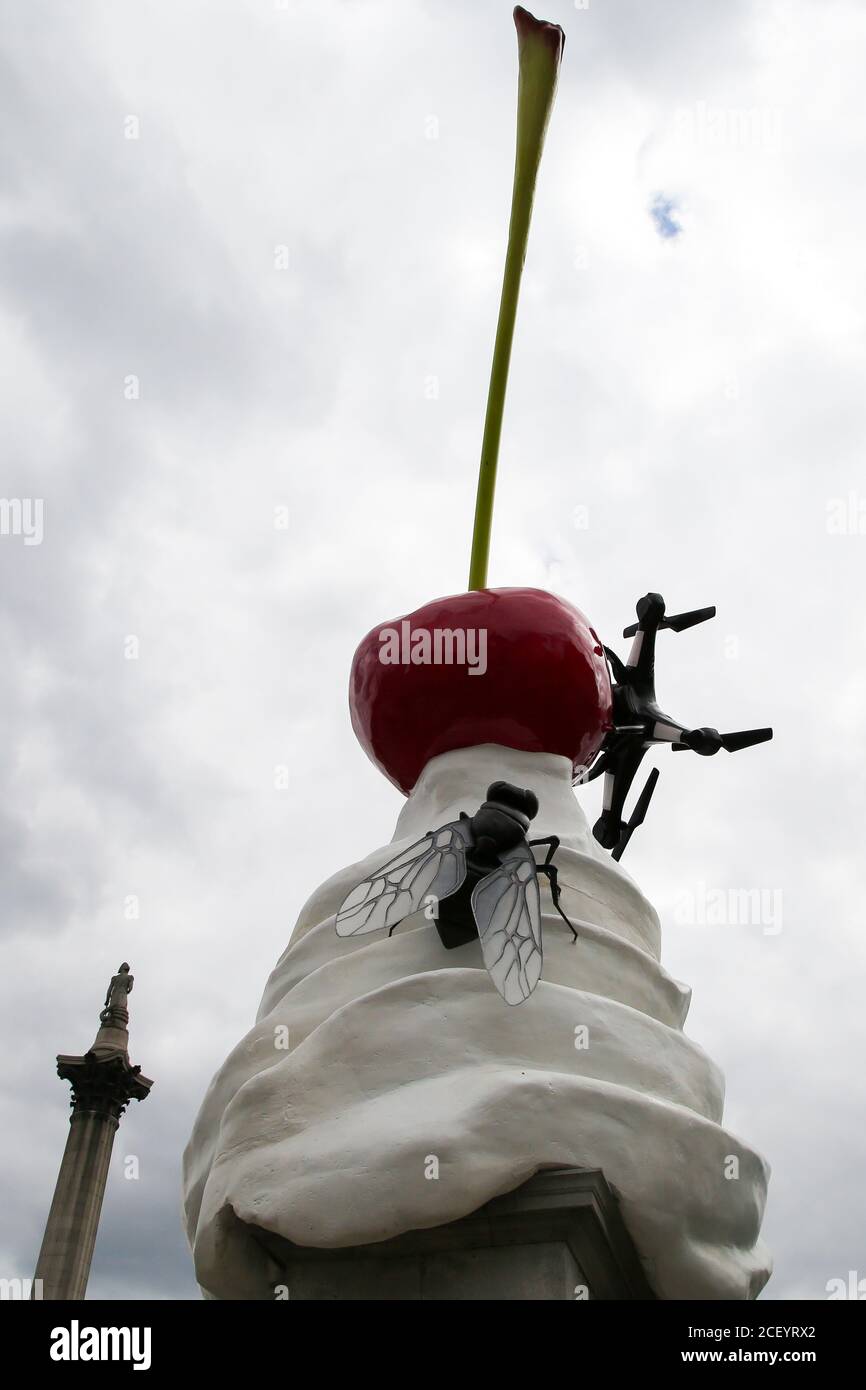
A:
[(251, 255)]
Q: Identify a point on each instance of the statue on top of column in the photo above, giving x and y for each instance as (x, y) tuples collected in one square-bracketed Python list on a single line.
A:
[(115, 996)]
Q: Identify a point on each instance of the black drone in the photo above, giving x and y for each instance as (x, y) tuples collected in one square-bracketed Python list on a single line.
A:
[(638, 722)]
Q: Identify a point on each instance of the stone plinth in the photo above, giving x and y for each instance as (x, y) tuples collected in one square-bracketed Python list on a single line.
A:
[(558, 1236)]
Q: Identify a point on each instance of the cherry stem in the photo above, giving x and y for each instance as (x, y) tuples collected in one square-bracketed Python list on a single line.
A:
[(540, 48)]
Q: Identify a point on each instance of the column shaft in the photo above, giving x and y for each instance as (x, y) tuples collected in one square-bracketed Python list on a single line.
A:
[(70, 1232)]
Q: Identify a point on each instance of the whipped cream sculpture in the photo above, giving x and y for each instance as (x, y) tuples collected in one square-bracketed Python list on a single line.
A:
[(382, 1039)]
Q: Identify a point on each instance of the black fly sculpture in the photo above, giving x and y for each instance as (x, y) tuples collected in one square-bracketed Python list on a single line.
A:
[(480, 874), (639, 723)]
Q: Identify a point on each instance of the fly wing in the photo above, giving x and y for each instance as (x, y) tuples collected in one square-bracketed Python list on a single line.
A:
[(435, 865), (507, 909)]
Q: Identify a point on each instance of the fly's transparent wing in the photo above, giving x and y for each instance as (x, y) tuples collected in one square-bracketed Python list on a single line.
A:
[(507, 909), (435, 865)]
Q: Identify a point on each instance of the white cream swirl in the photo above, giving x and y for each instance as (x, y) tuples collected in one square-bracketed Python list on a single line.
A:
[(397, 1050)]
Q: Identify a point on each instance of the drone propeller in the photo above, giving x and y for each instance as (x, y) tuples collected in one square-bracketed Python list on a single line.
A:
[(680, 621), (732, 743), (677, 622), (638, 814)]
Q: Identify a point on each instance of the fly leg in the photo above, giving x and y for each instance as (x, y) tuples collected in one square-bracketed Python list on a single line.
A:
[(551, 871), (552, 874)]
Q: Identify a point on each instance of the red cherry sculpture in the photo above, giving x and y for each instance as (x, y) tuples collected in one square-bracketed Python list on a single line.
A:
[(545, 688)]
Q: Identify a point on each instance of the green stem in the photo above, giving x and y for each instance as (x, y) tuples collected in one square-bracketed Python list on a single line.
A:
[(540, 52)]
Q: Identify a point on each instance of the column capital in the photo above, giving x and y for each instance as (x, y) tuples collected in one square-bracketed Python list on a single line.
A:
[(104, 1082)]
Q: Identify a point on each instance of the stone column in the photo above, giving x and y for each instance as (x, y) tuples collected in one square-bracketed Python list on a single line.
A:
[(103, 1083)]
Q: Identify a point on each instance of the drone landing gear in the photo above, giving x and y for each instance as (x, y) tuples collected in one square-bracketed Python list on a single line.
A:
[(608, 830)]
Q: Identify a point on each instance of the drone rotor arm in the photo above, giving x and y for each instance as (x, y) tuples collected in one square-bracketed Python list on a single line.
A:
[(666, 730), (599, 766)]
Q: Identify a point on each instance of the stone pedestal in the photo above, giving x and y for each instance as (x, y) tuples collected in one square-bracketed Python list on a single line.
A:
[(559, 1236)]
